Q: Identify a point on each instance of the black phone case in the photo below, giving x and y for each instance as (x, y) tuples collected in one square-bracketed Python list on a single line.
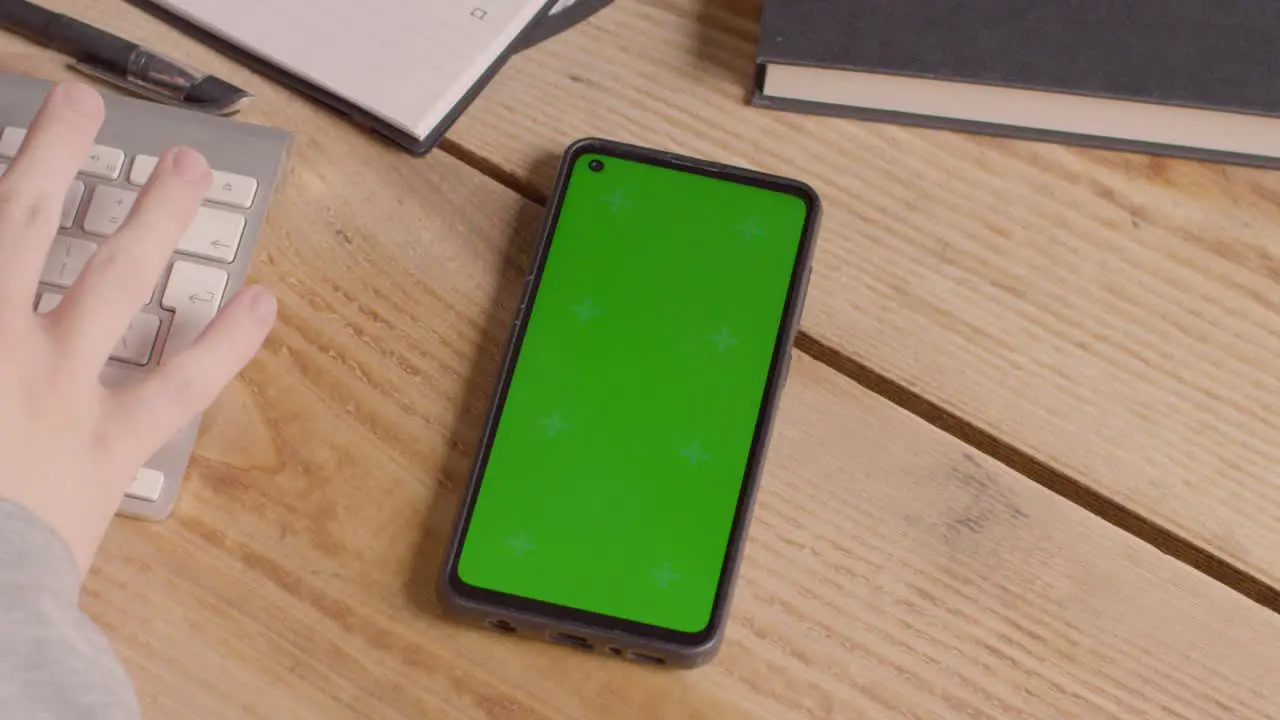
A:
[(607, 637)]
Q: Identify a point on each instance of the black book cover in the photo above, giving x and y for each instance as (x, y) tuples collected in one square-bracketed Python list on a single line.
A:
[(1217, 55), (556, 17)]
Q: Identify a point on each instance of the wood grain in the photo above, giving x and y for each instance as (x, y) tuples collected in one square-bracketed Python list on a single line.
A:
[(891, 571), (1114, 317)]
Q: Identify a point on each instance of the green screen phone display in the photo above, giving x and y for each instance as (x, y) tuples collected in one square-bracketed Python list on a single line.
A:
[(618, 458)]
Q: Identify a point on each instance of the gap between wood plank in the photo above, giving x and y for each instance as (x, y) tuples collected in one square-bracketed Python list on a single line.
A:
[(474, 160), (1052, 479), (1038, 471)]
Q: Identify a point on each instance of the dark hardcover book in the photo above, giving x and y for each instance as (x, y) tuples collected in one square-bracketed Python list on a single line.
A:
[(1189, 78)]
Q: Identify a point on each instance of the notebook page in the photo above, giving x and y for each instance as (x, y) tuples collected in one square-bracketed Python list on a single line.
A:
[(406, 61)]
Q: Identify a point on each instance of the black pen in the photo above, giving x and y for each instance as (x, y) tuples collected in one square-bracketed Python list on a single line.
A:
[(120, 62)]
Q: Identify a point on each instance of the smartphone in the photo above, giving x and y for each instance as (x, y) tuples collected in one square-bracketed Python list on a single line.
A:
[(609, 500)]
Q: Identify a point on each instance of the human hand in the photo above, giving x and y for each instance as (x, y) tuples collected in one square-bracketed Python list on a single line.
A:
[(68, 445)]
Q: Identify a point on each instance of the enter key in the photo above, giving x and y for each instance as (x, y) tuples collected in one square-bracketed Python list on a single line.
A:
[(194, 294)]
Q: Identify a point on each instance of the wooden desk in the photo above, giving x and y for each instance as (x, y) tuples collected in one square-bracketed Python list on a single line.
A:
[(1105, 325)]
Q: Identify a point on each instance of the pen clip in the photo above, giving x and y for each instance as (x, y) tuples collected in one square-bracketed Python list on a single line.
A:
[(171, 92)]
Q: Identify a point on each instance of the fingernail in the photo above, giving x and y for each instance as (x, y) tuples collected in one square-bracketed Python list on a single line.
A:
[(261, 301), (82, 98), (189, 164)]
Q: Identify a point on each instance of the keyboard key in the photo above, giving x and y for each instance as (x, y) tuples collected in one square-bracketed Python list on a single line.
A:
[(214, 234), (48, 302), (138, 341), (147, 485), (134, 346), (234, 190), (108, 210), (11, 141), (70, 205), (103, 162), (227, 188), (143, 166), (194, 294), (67, 257)]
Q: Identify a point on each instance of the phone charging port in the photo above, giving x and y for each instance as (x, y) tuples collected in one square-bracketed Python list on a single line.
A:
[(570, 640), (646, 658)]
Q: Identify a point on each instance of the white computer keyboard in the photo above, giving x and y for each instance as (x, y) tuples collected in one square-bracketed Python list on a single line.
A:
[(211, 260)]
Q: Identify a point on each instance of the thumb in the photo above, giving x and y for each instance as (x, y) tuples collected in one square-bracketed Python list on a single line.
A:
[(151, 412)]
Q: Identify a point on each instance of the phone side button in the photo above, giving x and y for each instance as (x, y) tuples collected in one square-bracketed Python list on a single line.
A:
[(524, 297), (786, 368)]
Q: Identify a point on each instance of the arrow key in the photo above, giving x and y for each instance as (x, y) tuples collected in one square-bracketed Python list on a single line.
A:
[(194, 294)]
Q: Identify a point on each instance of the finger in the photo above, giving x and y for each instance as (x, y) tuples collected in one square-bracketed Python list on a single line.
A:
[(34, 187), (149, 413), (120, 277)]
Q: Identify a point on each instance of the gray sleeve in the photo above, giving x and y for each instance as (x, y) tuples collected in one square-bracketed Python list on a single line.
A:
[(54, 662)]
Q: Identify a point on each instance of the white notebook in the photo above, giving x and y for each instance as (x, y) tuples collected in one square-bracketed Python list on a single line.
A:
[(407, 62)]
